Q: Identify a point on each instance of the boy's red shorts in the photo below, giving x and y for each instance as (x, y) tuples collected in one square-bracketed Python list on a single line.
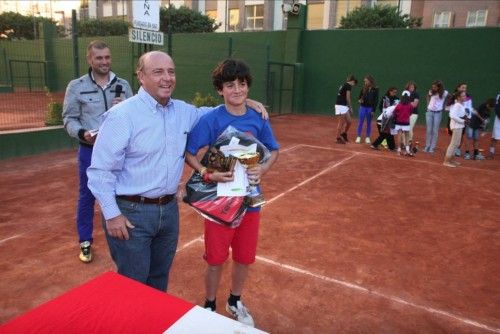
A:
[(242, 240)]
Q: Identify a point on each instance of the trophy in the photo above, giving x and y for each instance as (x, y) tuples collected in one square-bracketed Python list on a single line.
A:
[(255, 197), (216, 161)]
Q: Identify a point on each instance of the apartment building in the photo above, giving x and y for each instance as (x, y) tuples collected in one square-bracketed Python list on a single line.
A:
[(58, 10), (252, 15)]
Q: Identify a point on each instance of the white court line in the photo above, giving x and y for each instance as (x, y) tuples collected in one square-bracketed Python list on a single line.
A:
[(10, 238), (333, 280), (344, 283), (291, 148), (379, 294), (395, 157), (326, 170), (189, 243), (362, 289)]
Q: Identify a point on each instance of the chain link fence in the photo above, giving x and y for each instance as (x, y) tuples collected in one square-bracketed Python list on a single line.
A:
[(34, 74)]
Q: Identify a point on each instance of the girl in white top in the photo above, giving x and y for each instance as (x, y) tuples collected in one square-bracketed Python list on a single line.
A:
[(457, 124), (435, 104), (467, 103), (495, 135)]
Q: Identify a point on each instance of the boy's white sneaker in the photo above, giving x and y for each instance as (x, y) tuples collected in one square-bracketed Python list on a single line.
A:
[(367, 140), (240, 313), (358, 140)]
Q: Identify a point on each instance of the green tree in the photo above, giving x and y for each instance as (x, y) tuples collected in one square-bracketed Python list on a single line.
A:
[(184, 19), (17, 26), (380, 16), (98, 27)]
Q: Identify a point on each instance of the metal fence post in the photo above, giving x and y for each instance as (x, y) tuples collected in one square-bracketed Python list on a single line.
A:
[(268, 69), (74, 35)]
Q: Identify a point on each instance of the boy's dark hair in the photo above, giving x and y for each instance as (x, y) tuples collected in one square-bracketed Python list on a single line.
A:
[(230, 70)]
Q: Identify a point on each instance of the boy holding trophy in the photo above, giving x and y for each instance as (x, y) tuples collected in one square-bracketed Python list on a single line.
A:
[(232, 80)]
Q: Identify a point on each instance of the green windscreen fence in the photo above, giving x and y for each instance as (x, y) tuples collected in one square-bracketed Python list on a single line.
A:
[(35, 73), (393, 57)]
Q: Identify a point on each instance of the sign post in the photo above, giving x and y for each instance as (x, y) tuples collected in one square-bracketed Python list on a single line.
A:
[(146, 23)]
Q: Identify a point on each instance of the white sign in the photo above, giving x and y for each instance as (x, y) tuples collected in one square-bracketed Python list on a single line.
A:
[(145, 36), (146, 14)]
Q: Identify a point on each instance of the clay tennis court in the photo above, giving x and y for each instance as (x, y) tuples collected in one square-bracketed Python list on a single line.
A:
[(352, 240)]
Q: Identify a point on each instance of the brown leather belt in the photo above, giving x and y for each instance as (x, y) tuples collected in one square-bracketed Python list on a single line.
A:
[(141, 199)]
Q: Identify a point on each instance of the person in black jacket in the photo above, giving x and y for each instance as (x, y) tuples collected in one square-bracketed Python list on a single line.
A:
[(368, 98)]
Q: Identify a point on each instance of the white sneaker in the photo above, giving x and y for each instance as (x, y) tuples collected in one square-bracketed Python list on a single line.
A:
[(358, 140), (240, 313), (449, 164), (367, 140)]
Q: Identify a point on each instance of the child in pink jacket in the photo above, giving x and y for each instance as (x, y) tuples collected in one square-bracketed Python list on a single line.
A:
[(402, 114)]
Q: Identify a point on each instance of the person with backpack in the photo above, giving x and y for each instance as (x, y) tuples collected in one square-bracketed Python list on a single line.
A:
[(385, 121)]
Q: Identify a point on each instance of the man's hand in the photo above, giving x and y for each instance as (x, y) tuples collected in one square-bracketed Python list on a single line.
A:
[(116, 100), (89, 138), (117, 227), (259, 107)]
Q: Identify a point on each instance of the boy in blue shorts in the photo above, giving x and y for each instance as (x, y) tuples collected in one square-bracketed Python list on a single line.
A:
[(232, 80)]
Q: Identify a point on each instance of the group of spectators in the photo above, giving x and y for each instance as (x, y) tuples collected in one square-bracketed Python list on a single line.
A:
[(399, 114)]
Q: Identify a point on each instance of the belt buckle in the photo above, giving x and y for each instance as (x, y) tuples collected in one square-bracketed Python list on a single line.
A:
[(160, 199)]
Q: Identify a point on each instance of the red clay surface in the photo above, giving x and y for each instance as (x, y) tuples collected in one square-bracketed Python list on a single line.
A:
[(352, 240), (21, 110)]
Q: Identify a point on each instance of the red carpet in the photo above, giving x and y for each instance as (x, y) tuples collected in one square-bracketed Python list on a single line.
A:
[(109, 303)]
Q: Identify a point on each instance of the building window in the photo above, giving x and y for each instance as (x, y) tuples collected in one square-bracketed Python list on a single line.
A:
[(344, 8), (254, 16), (234, 20), (122, 8), (107, 9), (477, 18), (442, 20), (211, 14), (315, 16)]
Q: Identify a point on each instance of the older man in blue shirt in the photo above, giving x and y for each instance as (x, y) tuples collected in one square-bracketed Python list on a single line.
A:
[(136, 167)]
